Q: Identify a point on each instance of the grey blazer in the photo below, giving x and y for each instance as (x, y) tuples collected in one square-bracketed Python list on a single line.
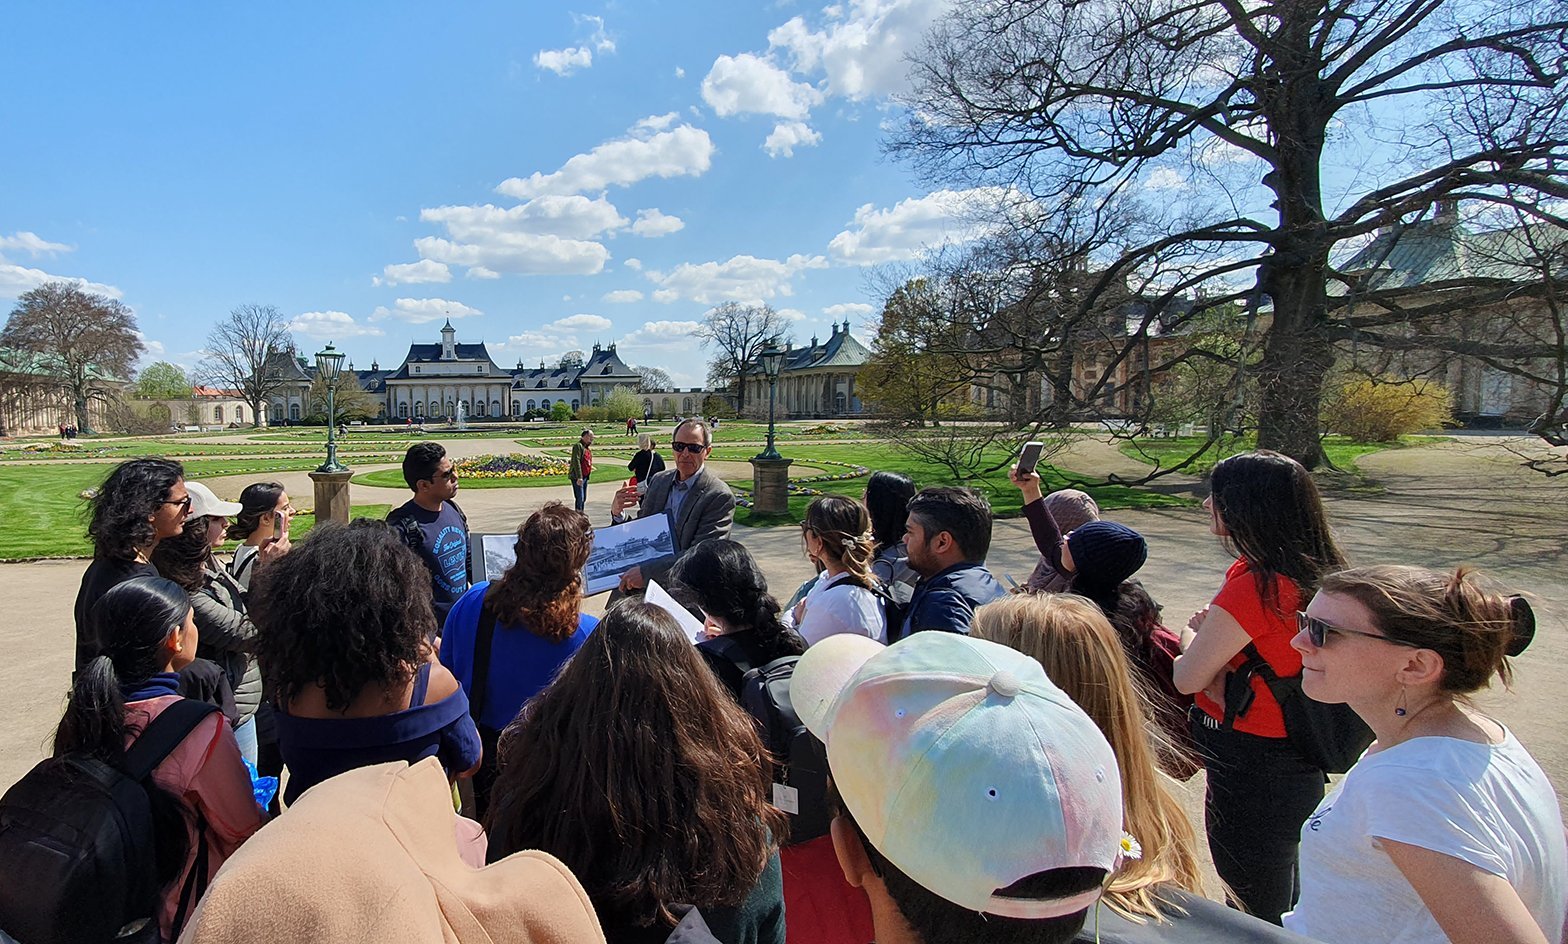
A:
[(707, 512)]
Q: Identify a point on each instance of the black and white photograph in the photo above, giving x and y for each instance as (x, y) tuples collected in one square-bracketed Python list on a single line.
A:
[(499, 554), (618, 548)]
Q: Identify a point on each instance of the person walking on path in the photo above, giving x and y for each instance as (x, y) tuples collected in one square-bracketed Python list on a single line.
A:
[(581, 468)]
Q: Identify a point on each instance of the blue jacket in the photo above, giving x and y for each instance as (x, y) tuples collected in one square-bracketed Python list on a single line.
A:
[(947, 601)]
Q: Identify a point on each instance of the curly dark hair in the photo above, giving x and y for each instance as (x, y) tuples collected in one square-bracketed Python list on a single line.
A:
[(662, 773), (543, 592), (259, 498), (182, 557), (721, 578), (122, 508), (347, 607), (420, 463)]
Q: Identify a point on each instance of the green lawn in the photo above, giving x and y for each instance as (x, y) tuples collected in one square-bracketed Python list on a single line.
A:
[(1341, 452), (43, 515), (175, 449)]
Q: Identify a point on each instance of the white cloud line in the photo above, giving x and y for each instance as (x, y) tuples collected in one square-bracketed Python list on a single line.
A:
[(683, 151), (331, 325), (33, 244), (789, 135), (423, 310), (751, 84), (411, 273)]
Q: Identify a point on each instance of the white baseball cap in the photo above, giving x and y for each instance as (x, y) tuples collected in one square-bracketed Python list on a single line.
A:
[(204, 502)]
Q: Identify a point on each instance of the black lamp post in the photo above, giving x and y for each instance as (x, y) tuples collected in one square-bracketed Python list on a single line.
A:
[(772, 358), (329, 364)]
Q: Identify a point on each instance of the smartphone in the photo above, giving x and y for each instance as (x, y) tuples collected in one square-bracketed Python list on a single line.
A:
[(1029, 457), (278, 524)]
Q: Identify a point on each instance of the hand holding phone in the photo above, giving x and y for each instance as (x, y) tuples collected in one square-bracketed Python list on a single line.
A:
[(1029, 457)]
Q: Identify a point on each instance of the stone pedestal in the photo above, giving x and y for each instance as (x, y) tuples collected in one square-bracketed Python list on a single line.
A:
[(332, 502), (770, 486)]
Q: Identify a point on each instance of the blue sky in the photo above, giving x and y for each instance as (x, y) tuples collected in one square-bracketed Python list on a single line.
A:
[(548, 176)]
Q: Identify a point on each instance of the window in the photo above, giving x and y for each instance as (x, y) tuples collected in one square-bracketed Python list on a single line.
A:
[(544, 404), (531, 404), (277, 412), (495, 407), (517, 408), (217, 414), (479, 408), (575, 405), (467, 409), (402, 411), (239, 414), (479, 368), (416, 370), (419, 409), (293, 411)]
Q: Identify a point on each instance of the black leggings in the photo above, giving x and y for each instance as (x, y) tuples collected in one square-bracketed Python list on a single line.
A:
[(1260, 791)]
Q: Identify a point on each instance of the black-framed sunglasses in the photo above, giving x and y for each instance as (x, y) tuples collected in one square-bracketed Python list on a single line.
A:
[(687, 447), (184, 503), (1317, 631)]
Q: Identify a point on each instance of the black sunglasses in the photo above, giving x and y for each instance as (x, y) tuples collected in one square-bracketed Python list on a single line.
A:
[(184, 503), (687, 447), (1317, 632)]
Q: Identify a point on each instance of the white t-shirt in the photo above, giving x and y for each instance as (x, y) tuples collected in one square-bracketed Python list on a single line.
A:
[(1486, 804), (834, 607)]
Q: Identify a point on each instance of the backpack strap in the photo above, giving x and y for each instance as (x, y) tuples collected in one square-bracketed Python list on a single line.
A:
[(159, 739), (731, 650), (196, 882), (483, 641)]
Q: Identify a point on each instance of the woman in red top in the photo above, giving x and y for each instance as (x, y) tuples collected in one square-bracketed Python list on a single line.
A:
[(1266, 510)]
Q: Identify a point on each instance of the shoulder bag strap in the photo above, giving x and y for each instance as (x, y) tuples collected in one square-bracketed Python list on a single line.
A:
[(733, 651), (196, 882), (162, 736), (483, 642)]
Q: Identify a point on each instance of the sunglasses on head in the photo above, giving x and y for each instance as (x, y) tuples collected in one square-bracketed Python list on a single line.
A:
[(1318, 631), (687, 447)]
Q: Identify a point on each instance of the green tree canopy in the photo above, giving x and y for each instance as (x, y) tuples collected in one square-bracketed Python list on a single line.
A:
[(162, 380)]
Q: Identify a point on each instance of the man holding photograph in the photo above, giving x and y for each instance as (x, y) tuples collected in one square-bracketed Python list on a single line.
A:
[(700, 505)]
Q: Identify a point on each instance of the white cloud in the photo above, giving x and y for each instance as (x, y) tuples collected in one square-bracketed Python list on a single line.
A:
[(584, 322), (654, 123), (751, 84), (423, 310), (682, 151), (653, 223), (480, 272), (410, 273), (16, 280), (1164, 178), (331, 325), (633, 264), (848, 308), (623, 296), (791, 314), (862, 51), (740, 278), (564, 62), (570, 216), (680, 73), (33, 244), (660, 334), (903, 231), (520, 254), (789, 135)]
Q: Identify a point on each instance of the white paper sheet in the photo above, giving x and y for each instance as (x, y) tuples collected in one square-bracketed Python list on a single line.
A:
[(661, 598)]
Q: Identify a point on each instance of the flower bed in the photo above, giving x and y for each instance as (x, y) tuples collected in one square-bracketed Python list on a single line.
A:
[(511, 466), (801, 486)]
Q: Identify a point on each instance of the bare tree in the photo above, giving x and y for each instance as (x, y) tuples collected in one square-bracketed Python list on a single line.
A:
[(242, 355), (736, 334), (350, 401), (652, 379), (81, 340), (1219, 119)]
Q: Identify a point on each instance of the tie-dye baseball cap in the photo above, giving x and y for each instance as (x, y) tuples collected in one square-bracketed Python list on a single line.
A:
[(964, 765)]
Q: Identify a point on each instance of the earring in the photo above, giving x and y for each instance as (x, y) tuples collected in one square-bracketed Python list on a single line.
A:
[(1399, 709)]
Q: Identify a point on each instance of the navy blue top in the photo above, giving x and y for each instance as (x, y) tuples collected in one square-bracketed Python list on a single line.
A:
[(949, 599), (444, 551), (521, 663), (317, 749)]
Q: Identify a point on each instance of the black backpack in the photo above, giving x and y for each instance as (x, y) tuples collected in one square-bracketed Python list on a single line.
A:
[(77, 843), (802, 760), (1331, 737)]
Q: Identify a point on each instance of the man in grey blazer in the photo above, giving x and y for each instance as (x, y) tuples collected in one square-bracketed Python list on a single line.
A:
[(699, 503)]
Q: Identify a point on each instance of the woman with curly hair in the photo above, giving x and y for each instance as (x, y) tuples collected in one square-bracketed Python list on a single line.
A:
[(637, 770), (1082, 654), (141, 502), (522, 626), (342, 627), (837, 537)]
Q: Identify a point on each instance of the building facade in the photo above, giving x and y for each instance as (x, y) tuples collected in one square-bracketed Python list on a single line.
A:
[(817, 380), (33, 401)]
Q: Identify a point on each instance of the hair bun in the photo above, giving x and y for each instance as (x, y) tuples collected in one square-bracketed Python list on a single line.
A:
[(1523, 625)]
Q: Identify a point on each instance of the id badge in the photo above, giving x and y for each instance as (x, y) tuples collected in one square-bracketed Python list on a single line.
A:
[(786, 798)]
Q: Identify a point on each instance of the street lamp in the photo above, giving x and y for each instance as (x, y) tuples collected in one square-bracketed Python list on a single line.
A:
[(329, 365), (772, 358)]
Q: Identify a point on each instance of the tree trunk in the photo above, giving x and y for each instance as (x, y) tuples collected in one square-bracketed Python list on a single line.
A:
[(82, 423)]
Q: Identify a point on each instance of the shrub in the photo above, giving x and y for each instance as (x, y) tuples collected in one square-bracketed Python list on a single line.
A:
[(620, 404), (560, 411), (1381, 409), (592, 414)]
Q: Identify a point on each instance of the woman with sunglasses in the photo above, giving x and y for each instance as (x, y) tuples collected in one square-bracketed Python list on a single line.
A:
[(1265, 509), (1447, 829), (528, 622)]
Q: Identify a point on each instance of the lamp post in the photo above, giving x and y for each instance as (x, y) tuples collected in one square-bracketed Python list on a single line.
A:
[(329, 365), (772, 359)]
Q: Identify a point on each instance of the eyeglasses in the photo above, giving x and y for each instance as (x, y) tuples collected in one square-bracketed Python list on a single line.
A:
[(184, 503), (1317, 631), (687, 447)]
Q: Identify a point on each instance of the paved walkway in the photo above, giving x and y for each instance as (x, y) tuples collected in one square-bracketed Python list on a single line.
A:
[(1466, 501)]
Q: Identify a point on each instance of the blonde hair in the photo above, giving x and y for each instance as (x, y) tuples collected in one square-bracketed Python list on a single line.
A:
[(844, 526), (644, 440), (1081, 653)]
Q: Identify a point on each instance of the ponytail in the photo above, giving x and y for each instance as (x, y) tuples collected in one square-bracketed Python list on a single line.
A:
[(94, 721), (844, 527)]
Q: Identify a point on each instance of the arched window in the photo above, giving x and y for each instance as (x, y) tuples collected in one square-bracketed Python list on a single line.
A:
[(239, 414), (479, 408), (419, 409), (575, 405), (451, 409), (495, 407), (647, 406), (686, 406), (517, 408), (531, 405), (468, 409), (435, 408), (293, 411), (277, 412), (544, 404), (217, 414), (402, 411)]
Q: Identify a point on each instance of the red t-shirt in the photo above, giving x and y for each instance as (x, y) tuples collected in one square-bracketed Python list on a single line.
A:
[(1271, 629)]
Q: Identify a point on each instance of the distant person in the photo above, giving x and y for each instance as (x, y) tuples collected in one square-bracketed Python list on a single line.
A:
[(948, 535), (433, 525), (647, 462), (228, 637), (581, 468), (1260, 789), (344, 630), (836, 534), (638, 771), (698, 502), (523, 626), (1447, 828), (141, 502), (887, 501), (266, 506), (631, 426)]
